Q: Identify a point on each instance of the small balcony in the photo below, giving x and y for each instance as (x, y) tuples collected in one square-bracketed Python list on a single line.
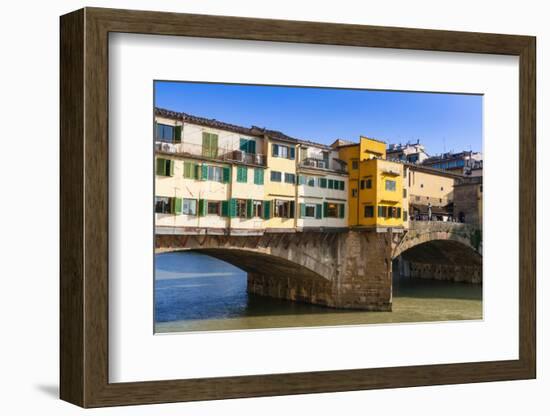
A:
[(312, 162), (211, 153)]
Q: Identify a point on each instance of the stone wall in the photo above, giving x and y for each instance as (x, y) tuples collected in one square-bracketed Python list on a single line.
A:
[(451, 272)]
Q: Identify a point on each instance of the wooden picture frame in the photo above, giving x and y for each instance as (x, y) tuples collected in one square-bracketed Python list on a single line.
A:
[(84, 207)]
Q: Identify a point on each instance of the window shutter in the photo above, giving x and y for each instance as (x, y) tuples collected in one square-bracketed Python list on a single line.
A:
[(172, 163), (323, 182), (341, 210), (398, 215), (325, 209), (225, 208), (330, 184), (302, 210), (213, 145), (232, 207), (226, 175), (187, 169), (292, 209), (292, 153), (301, 179), (177, 205), (274, 149), (243, 145), (380, 211), (249, 208), (267, 210), (318, 211), (177, 134), (205, 144), (251, 147), (342, 185), (258, 176), (204, 172), (195, 170), (202, 207), (161, 167)]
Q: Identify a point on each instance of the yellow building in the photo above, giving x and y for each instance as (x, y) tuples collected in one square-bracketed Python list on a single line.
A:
[(280, 184), (375, 185)]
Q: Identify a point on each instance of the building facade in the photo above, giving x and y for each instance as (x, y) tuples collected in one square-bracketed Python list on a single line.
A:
[(408, 152), (375, 185), (460, 163), (213, 177)]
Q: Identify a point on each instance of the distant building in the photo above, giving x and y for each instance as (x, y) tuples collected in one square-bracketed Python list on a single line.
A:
[(408, 152), (463, 162), (468, 200), (428, 191)]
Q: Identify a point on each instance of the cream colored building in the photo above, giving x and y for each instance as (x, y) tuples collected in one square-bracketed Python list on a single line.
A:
[(322, 188), (429, 187)]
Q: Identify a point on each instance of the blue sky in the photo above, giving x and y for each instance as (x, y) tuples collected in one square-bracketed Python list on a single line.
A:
[(442, 122)]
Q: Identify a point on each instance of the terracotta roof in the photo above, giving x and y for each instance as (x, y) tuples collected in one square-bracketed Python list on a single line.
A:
[(209, 122)]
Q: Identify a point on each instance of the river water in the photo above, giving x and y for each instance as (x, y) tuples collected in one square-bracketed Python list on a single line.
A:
[(194, 292)]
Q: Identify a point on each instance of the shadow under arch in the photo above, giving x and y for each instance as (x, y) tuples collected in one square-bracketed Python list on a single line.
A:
[(444, 259)]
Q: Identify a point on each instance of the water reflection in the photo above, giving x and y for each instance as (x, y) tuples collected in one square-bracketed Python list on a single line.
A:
[(211, 295)]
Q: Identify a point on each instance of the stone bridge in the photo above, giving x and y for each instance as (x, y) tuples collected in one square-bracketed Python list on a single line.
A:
[(349, 269)]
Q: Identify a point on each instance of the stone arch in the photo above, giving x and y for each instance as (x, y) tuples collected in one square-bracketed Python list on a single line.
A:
[(441, 259), (274, 276)]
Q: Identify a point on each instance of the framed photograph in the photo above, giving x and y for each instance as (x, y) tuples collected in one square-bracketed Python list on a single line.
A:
[(255, 207)]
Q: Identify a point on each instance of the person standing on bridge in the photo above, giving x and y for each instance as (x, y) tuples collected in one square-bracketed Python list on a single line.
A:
[(429, 211)]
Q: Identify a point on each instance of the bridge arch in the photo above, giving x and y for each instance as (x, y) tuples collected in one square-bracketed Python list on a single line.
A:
[(444, 251), (271, 274)]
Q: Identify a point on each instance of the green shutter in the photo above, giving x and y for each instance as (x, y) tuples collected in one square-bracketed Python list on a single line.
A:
[(196, 173), (249, 208), (292, 153), (202, 207), (177, 134), (380, 211), (292, 209), (161, 167), (258, 176), (301, 179), (318, 211), (232, 207), (251, 147), (177, 205), (325, 209), (302, 210), (213, 145), (267, 210), (225, 208), (342, 185), (204, 172), (242, 174), (274, 150), (209, 144), (187, 169), (341, 210), (398, 213), (243, 145), (323, 182), (226, 175), (172, 163)]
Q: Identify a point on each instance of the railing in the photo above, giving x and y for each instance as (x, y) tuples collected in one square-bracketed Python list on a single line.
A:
[(211, 153), (321, 164)]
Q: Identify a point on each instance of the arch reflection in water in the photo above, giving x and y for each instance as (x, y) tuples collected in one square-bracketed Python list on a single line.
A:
[(196, 292)]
